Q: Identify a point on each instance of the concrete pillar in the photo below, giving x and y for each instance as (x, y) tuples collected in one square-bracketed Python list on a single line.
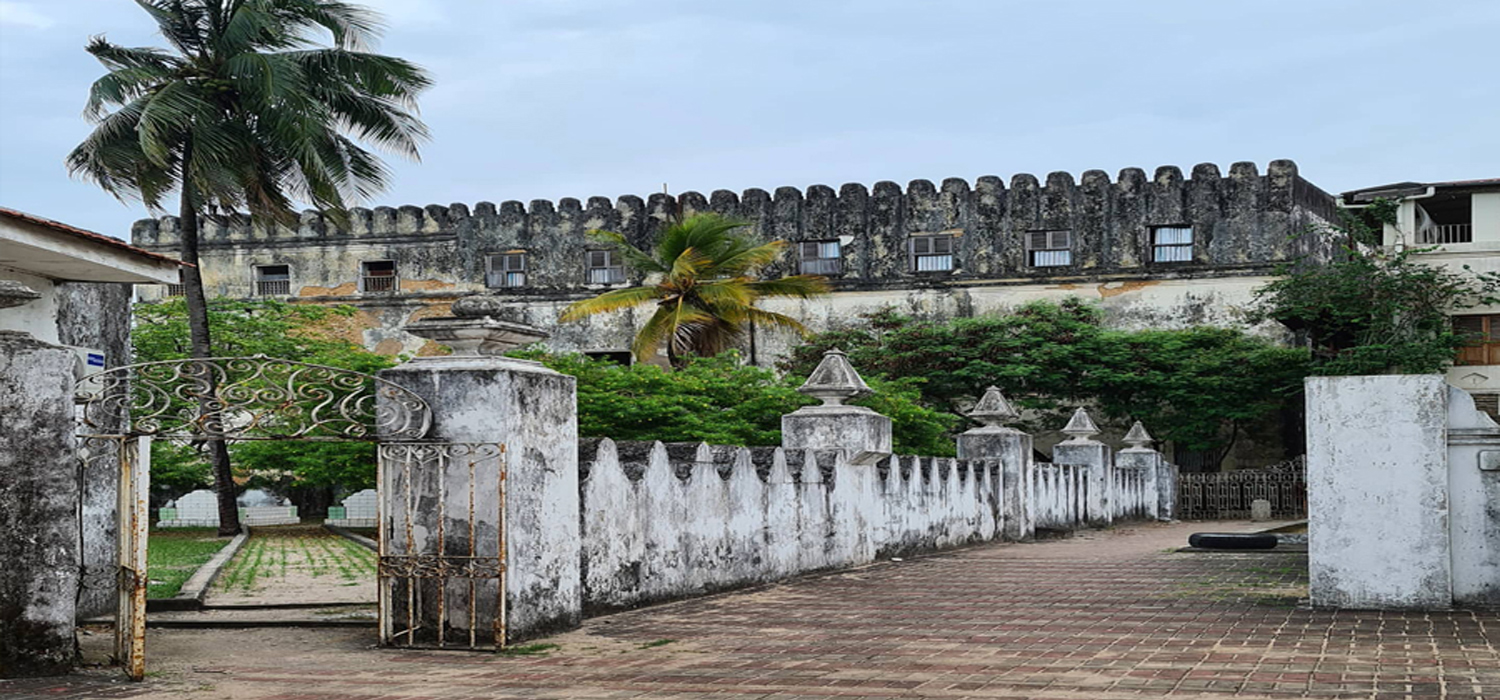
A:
[(862, 434), (1161, 482), (38, 507), (478, 396), (1013, 449), (1377, 492), (1082, 449)]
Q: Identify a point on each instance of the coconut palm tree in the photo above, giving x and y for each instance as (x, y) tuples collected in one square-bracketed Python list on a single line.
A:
[(247, 111), (701, 278)]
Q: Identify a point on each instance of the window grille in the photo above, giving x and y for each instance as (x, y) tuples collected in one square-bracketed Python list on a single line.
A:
[(273, 280), (176, 290), (822, 258), (931, 253), (1049, 248), (378, 276), (1483, 335), (604, 267), (1171, 244), (505, 270)]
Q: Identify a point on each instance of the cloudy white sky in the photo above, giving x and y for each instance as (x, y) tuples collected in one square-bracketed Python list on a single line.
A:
[(559, 98)]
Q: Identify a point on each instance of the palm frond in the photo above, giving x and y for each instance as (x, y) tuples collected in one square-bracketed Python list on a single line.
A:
[(750, 259), (613, 300), (797, 286)]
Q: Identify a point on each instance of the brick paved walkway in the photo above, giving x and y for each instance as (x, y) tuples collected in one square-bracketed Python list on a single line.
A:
[(1106, 615)]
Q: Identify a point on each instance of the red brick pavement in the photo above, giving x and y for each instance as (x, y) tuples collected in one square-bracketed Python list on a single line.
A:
[(1109, 615)]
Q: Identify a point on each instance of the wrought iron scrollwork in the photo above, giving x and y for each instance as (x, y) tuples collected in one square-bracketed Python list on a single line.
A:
[(250, 398)]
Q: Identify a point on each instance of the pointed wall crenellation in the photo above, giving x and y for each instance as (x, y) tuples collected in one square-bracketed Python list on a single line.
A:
[(1245, 218)]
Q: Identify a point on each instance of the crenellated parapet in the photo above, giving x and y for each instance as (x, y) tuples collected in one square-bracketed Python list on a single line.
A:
[(1244, 218)]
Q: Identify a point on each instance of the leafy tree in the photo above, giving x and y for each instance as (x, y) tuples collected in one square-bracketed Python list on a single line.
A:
[(248, 112), (1196, 387), (720, 401), (704, 288), (276, 329), (1374, 310)]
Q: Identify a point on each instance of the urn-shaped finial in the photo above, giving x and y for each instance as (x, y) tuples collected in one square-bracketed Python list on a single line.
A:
[(834, 381), (1080, 427), (993, 410), (1138, 438)]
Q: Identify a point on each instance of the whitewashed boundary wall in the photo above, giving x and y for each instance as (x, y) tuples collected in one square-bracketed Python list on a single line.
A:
[(1059, 496), (668, 521), (1403, 475)]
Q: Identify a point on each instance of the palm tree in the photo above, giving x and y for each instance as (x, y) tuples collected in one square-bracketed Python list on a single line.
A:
[(247, 112), (702, 281)]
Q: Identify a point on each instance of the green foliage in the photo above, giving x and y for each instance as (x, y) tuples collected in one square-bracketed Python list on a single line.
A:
[(246, 111), (177, 469), (174, 555), (720, 401), (703, 287), (1373, 310), (1193, 386), (299, 332)]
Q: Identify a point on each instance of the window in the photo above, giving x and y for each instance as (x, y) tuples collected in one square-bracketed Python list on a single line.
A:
[(821, 258), (1445, 218), (176, 290), (1049, 248), (1484, 334), (604, 267), (505, 269), (273, 280), (1489, 403), (931, 253), (378, 276), (1170, 244)]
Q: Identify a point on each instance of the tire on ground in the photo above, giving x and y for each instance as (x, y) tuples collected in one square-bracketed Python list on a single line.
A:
[(1232, 540)]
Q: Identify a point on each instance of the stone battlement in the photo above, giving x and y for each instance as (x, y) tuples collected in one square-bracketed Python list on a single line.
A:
[(790, 213)]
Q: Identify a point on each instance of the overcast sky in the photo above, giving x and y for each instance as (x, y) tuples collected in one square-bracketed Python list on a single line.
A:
[(573, 98)]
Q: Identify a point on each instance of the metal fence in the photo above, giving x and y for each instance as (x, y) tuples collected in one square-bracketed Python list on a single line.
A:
[(1227, 495)]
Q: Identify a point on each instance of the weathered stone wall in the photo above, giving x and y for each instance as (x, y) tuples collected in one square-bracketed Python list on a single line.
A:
[(97, 316), (1473, 501), (38, 498), (1377, 492), (670, 521), (1244, 225)]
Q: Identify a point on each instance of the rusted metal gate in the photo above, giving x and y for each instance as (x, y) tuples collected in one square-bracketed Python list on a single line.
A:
[(442, 545), (248, 398), (1228, 495), (126, 578)]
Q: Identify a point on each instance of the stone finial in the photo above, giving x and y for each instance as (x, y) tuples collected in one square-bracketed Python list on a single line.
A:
[(1081, 427), (1138, 438), (834, 380), (13, 293), (993, 410)]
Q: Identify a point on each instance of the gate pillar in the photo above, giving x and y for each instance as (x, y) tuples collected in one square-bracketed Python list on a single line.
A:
[(38, 504), (480, 397)]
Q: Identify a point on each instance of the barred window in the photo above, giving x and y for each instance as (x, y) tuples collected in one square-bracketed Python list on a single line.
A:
[(1172, 244), (821, 258), (1482, 333), (378, 276), (605, 267), (931, 253), (505, 270), (1049, 248), (273, 280), (176, 290)]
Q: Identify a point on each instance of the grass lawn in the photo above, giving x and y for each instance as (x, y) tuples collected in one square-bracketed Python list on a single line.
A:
[(173, 555), (294, 555)]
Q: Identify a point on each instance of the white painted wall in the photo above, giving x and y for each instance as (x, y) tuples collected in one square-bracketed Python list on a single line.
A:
[(1486, 217), (1377, 492), (39, 318), (1474, 501)]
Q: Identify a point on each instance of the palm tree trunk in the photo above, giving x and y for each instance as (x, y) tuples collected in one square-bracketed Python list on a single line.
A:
[(201, 345)]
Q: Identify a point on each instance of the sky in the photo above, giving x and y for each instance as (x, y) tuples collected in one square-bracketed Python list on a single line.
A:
[(544, 99)]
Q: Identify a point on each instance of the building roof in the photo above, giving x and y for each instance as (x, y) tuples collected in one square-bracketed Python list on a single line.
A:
[(1398, 190), (48, 248)]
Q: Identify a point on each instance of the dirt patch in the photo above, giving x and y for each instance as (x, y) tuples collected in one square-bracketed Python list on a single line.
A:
[(297, 565)]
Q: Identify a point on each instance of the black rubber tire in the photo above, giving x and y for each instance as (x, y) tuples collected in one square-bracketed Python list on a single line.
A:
[(1233, 540)]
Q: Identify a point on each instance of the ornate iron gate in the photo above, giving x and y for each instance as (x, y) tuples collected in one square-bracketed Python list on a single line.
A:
[(442, 545), (436, 563), (1225, 495)]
